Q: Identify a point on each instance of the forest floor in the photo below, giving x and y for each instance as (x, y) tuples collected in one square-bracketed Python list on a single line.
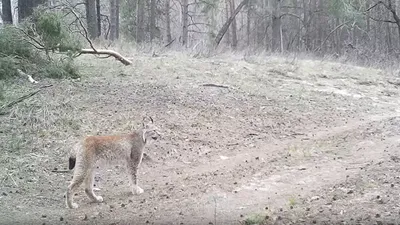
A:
[(281, 142)]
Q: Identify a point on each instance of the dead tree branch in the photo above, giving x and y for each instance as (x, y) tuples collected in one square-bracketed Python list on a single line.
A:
[(86, 34), (20, 99), (116, 55), (215, 85), (225, 27), (326, 38)]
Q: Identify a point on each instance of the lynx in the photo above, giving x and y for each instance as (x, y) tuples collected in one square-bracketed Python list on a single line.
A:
[(126, 147)]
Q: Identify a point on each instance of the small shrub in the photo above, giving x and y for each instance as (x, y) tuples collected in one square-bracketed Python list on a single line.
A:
[(256, 219), (8, 67), (60, 69), (30, 48), (52, 31), (13, 43), (2, 97)]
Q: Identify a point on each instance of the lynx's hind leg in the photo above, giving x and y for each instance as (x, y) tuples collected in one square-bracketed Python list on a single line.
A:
[(89, 186), (77, 180)]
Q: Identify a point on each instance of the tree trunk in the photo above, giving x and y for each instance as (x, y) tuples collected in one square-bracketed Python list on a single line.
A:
[(98, 14), (152, 19), (276, 25), (338, 37), (261, 24), (389, 38), (25, 8), (117, 4), (307, 23), (226, 25), (227, 12), (168, 20), (113, 20), (234, 27), (6, 13), (185, 22), (91, 18), (139, 21), (367, 4), (248, 27)]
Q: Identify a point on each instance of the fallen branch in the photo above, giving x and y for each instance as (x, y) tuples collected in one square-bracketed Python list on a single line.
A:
[(10, 175), (61, 171), (169, 43), (215, 85), (396, 82), (22, 98), (116, 55)]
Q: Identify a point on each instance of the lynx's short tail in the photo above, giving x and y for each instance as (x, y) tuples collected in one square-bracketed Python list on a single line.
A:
[(72, 156), (71, 162)]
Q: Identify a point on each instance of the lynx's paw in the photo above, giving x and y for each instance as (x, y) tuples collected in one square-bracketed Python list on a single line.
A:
[(137, 190), (73, 206), (99, 199)]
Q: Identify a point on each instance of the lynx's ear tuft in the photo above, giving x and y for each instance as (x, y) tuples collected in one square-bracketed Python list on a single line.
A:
[(146, 120)]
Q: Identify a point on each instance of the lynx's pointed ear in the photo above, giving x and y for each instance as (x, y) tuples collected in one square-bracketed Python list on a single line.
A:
[(147, 120)]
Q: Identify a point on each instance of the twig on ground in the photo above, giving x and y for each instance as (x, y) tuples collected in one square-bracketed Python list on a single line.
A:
[(396, 83), (22, 98), (10, 175), (215, 85), (61, 171)]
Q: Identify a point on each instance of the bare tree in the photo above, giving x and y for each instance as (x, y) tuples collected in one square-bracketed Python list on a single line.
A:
[(185, 22), (98, 16), (227, 15), (248, 26), (168, 21), (91, 18), (234, 28), (393, 11), (113, 20), (6, 14), (276, 43), (117, 6), (152, 19), (25, 8), (140, 35), (226, 25)]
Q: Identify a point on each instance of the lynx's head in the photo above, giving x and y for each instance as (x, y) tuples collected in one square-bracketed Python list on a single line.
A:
[(150, 131)]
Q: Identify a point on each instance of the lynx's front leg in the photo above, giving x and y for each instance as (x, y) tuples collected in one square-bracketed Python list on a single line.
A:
[(132, 170)]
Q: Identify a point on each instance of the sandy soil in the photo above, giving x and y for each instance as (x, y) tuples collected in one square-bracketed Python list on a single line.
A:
[(282, 142)]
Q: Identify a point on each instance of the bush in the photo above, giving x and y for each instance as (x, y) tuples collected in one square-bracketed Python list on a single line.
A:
[(60, 69), (30, 48), (8, 67), (13, 43), (1, 92)]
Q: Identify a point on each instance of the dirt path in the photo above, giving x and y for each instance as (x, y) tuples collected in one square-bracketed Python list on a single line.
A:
[(285, 143)]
